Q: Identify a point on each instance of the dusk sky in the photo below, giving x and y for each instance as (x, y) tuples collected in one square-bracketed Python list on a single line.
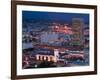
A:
[(54, 16)]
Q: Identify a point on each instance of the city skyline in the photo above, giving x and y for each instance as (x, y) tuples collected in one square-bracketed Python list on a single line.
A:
[(53, 39)]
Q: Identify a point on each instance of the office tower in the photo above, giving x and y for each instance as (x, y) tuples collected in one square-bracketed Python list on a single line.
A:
[(77, 26)]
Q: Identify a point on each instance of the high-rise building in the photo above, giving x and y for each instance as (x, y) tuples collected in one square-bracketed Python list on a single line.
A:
[(77, 26)]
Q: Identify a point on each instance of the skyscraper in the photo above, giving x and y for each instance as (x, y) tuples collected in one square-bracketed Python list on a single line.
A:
[(77, 26)]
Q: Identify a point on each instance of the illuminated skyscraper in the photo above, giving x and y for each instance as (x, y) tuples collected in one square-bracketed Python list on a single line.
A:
[(77, 26)]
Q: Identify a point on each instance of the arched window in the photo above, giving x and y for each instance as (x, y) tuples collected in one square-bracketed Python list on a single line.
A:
[(39, 57), (46, 58), (42, 57)]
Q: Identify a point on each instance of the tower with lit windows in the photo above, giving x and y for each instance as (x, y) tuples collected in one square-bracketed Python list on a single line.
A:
[(77, 26)]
